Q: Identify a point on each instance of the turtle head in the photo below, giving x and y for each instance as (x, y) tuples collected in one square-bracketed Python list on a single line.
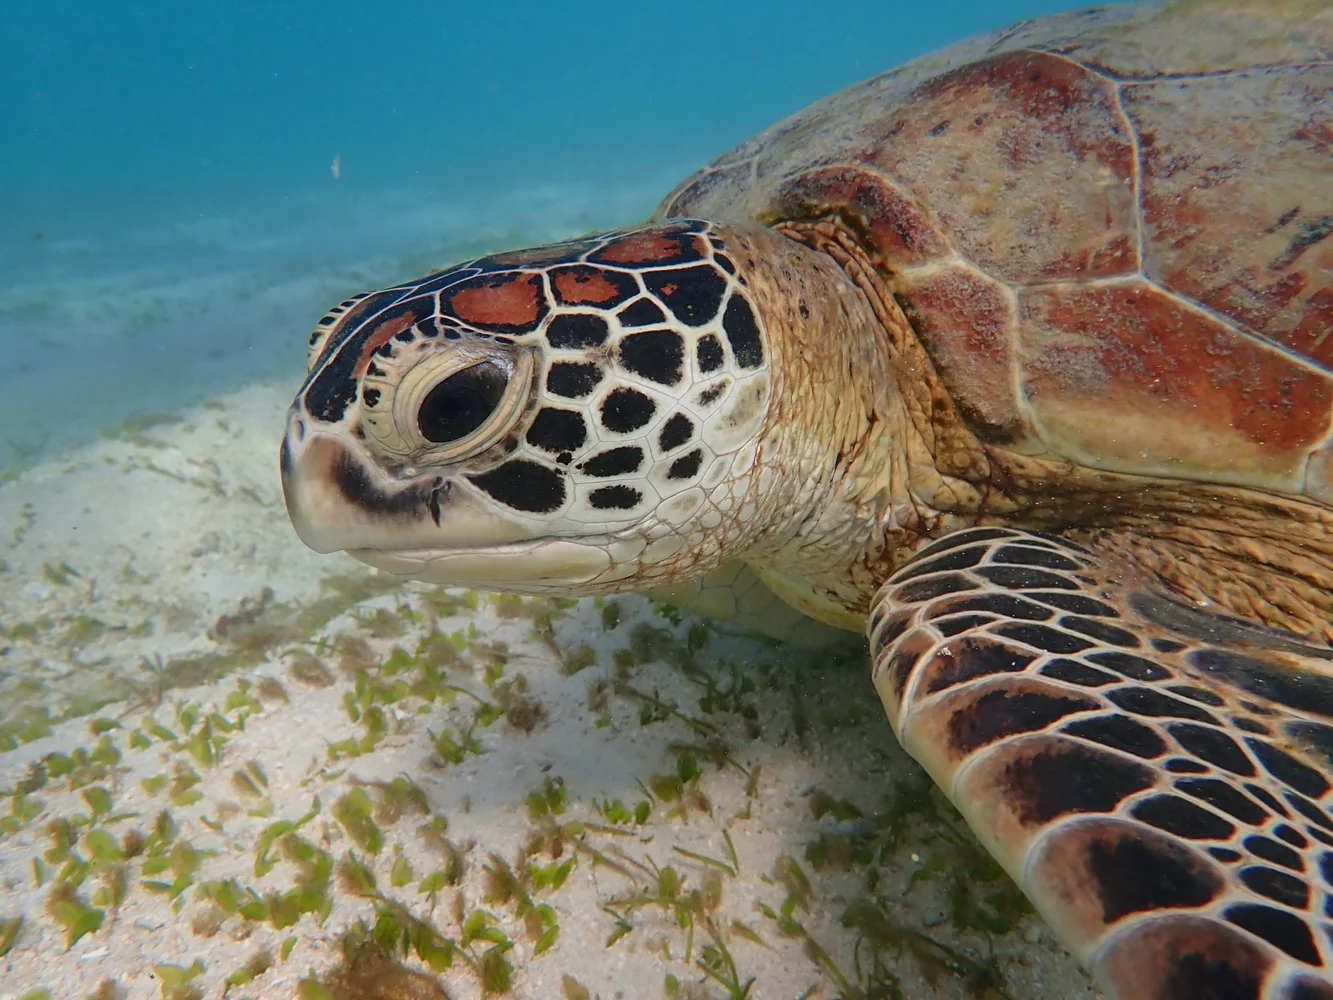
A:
[(580, 418)]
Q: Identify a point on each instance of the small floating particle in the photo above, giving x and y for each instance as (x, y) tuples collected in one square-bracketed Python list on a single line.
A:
[(336, 167)]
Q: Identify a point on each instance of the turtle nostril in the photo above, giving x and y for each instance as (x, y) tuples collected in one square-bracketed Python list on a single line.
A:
[(461, 403)]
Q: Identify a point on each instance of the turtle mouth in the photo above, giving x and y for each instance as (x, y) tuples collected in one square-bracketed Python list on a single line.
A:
[(539, 565)]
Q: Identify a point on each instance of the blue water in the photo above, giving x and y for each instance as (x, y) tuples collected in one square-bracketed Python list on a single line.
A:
[(165, 174)]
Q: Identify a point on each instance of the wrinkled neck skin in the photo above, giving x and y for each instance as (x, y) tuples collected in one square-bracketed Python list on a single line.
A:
[(857, 419), (874, 460)]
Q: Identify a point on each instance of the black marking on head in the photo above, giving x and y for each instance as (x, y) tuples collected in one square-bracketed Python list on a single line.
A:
[(675, 432), (1167, 645), (1146, 701), (954, 559), (1271, 850), (710, 394), (557, 430), (433, 501), (1075, 672), (931, 587), (686, 466), (1224, 796), (1025, 578), (1314, 737), (370, 397), (1183, 818), (1201, 695), (359, 490), (1070, 777), (967, 659), (743, 333), (1212, 745), (1278, 927), (657, 355), (1119, 733), (724, 262), (1026, 555), (1324, 838), (1292, 836), (709, 352), (626, 410), (693, 294), (1000, 605), (616, 462), (614, 498), (576, 331), (334, 386), (1288, 770), (1077, 604), (1134, 875), (1225, 855), (524, 485), (1043, 637), (1100, 631), (642, 312), (1186, 765), (573, 379), (1000, 714), (1134, 667)]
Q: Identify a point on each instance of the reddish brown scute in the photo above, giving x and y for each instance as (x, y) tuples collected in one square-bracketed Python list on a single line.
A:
[(1113, 229)]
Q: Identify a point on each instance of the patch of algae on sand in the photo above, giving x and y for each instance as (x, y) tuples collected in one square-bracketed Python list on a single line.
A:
[(369, 879), (257, 630)]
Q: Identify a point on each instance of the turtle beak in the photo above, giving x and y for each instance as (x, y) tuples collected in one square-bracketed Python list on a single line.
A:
[(427, 527), (338, 498)]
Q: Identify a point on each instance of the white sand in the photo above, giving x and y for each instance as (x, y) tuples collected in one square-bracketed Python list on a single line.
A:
[(150, 579), (132, 548)]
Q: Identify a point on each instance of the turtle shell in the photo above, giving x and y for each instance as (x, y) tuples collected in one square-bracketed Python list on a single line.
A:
[(1110, 228)]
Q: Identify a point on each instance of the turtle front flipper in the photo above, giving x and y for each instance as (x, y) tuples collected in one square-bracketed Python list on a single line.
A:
[(1156, 778)]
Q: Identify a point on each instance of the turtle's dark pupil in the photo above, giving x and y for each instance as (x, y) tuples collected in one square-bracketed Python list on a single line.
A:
[(461, 403)]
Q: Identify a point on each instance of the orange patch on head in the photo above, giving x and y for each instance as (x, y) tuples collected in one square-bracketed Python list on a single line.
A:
[(511, 300), (386, 332), (577, 286), (1128, 378), (642, 248)]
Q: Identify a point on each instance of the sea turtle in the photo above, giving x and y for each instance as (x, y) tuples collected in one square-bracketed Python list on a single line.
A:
[(1018, 357)]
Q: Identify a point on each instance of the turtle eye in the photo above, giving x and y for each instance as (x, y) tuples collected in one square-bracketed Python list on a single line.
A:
[(461, 403)]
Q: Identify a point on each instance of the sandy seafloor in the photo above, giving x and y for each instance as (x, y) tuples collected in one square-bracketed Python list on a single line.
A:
[(232, 767)]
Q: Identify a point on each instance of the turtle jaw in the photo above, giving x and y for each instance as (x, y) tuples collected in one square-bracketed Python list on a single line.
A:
[(426, 527), (543, 565)]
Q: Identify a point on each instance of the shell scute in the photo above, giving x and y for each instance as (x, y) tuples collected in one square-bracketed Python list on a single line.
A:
[(1149, 182), (1129, 376), (1237, 204)]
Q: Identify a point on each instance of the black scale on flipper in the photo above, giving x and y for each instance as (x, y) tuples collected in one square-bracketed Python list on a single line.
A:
[(1044, 695)]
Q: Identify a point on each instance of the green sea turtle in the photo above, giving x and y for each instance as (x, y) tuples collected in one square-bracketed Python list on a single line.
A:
[(1019, 358)]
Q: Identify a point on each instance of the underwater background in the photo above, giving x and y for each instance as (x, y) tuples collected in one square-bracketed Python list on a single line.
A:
[(229, 766)]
